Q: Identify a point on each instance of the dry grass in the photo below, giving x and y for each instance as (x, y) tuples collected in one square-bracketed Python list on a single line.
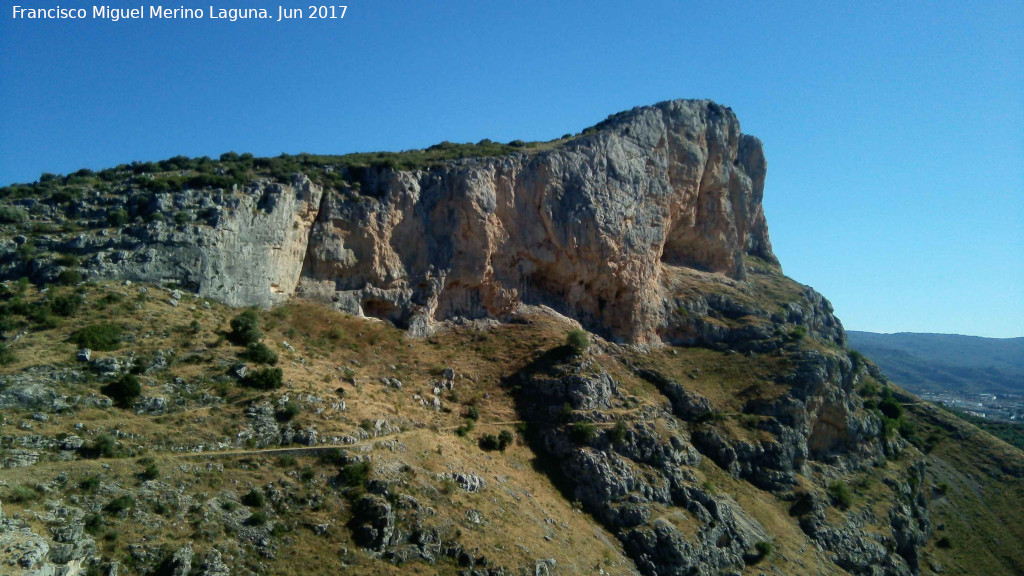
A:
[(339, 358)]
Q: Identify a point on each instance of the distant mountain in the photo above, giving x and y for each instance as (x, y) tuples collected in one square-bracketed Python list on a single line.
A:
[(946, 362)]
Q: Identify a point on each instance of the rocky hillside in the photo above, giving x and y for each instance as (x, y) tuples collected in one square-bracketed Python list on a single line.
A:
[(573, 357)]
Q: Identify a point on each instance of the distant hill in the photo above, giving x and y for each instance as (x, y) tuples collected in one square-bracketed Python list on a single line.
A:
[(946, 362)]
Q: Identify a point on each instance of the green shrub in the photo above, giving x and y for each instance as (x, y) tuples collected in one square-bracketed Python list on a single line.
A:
[(505, 439), (119, 504), (578, 340), (709, 416), (264, 379), (93, 523), (44, 317), (110, 298), (260, 353), (7, 355), (245, 328), (22, 493), (944, 543), (253, 499), (103, 446), (118, 217), (355, 474), (890, 408), (66, 260), (488, 442), (258, 518), (764, 548), (797, 333), (335, 456), (288, 412), (89, 483), (501, 441), (307, 474), (841, 495), (869, 388), (98, 337), (68, 278), (124, 390), (466, 427), (150, 472), (617, 434), (565, 412), (472, 413), (66, 305), (583, 432), (13, 215)]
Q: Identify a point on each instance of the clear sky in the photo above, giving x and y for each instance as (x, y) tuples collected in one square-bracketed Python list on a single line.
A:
[(894, 131)]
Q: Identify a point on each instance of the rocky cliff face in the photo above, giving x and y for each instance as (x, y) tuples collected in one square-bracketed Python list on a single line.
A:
[(587, 227)]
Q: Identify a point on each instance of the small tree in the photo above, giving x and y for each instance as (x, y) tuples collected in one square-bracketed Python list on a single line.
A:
[(253, 499), (488, 442), (124, 390), (583, 432), (841, 495), (260, 353), (617, 434), (98, 337), (69, 278), (245, 328), (578, 340), (264, 379), (117, 217), (505, 439)]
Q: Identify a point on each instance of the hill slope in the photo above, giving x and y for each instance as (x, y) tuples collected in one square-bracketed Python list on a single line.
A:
[(429, 404), (947, 362)]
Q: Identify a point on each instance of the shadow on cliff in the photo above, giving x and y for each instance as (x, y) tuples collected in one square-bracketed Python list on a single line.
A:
[(540, 417)]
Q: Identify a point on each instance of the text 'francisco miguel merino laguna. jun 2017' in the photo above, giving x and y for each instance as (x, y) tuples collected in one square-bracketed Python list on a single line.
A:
[(114, 14)]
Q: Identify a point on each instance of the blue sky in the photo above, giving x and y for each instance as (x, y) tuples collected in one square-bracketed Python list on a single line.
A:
[(894, 131)]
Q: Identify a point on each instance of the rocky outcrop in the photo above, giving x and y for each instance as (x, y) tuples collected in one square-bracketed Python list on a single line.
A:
[(243, 247), (628, 473)]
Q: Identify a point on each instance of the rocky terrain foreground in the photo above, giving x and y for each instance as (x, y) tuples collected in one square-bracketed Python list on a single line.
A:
[(570, 357)]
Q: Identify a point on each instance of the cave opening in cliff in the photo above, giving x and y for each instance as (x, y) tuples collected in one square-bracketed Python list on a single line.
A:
[(384, 310)]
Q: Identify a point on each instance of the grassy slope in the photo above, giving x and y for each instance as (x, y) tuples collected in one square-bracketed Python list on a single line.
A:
[(977, 490), (340, 358), (519, 501)]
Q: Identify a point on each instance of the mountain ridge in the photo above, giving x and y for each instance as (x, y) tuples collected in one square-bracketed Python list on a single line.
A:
[(947, 362)]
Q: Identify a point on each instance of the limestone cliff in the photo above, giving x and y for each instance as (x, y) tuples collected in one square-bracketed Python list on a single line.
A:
[(587, 226)]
